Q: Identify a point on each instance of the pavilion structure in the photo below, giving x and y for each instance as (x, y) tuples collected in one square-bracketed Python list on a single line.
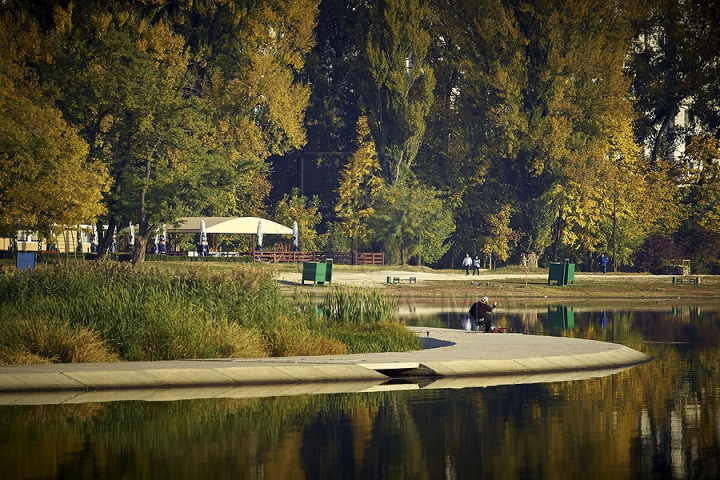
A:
[(229, 226)]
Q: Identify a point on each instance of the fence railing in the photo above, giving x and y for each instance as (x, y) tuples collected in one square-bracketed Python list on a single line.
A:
[(340, 258), (270, 256)]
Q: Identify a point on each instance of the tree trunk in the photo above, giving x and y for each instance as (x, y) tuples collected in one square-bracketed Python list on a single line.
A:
[(112, 219), (556, 232), (659, 137), (106, 239), (614, 254), (139, 248), (143, 228)]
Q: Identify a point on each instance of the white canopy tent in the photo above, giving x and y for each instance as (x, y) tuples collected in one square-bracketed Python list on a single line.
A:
[(229, 225)]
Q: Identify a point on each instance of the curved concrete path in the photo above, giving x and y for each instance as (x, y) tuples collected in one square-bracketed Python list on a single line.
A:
[(451, 359)]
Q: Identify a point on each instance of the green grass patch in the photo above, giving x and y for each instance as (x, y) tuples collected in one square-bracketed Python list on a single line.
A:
[(380, 337)]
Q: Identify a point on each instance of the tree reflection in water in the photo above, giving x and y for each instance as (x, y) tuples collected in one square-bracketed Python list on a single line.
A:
[(660, 419)]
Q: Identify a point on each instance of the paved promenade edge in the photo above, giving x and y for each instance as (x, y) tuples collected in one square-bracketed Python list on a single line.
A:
[(450, 359)]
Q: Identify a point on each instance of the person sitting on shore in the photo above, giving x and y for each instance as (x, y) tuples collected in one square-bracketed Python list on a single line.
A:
[(479, 311)]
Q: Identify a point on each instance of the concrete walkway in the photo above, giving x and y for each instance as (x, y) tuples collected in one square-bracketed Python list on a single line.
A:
[(451, 359)]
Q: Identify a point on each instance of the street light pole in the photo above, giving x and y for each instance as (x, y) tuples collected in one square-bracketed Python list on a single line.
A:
[(615, 228)]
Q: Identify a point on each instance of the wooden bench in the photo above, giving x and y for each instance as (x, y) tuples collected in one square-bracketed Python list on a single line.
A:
[(409, 280), (690, 280)]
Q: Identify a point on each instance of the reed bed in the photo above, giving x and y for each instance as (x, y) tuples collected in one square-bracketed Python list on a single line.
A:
[(366, 321), (346, 306), (108, 311)]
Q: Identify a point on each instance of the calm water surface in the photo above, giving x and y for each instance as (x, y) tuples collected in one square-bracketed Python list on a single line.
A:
[(658, 420)]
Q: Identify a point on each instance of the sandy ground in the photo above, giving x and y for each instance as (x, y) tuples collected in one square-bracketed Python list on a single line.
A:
[(375, 278)]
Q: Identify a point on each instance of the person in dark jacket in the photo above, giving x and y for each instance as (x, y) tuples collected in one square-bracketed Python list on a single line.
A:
[(603, 263), (479, 311)]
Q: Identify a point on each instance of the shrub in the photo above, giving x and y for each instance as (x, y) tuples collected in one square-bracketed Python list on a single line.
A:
[(655, 253), (700, 245)]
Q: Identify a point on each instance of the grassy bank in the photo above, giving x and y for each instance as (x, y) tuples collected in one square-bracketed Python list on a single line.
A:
[(596, 287), (92, 311)]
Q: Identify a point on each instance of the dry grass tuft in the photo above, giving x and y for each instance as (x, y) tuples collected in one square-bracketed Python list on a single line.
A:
[(18, 356), (234, 341), (40, 341), (291, 341)]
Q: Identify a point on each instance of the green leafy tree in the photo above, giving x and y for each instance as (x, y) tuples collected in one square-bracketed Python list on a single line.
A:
[(336, 240), (701, 188), (498, 243), (411, 221), (182, 104), (121, 79), (358, 183), (297, 208), (396, 82), (537, 93), (632, 199)]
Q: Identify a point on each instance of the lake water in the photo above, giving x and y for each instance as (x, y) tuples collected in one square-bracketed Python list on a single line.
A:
[(658, 420)]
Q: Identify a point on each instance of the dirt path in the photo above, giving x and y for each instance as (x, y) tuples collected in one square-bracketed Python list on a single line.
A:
[(374, 278), (494, 284)]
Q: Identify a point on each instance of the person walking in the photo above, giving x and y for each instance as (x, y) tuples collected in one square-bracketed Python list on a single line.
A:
[(476, 265), (603, 263), (467, 263)]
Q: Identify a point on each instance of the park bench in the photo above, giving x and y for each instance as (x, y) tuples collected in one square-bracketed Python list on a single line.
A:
[(690, 280), (409, 280)]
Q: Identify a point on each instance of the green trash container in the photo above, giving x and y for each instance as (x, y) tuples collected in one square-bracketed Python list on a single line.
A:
[(569, 272), (328, 270), (314, 272), (556, 273), (561, 273)]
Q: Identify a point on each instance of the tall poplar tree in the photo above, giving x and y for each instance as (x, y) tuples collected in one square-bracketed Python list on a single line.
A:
[(359, 181), (396, 81)]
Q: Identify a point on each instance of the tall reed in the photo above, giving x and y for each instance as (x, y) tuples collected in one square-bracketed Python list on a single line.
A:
[(366, 321), (345, 306)]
